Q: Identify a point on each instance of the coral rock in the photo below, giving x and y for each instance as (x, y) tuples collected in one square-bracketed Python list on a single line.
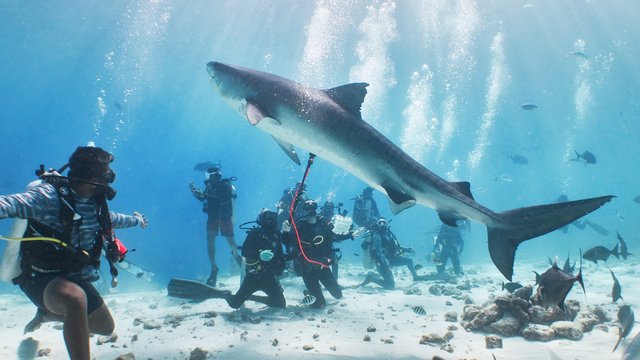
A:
[(567, 329), (493, 342), (537, 332)]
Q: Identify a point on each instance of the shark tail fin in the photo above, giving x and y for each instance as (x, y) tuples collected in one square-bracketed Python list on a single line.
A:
[(518, 225)]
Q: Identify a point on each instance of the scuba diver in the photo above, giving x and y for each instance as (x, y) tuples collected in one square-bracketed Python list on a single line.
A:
[(365, 209), (448, 244), (218, 198), (262, 250), (313, 261), (286, 200), (69, 225), (386, 253), (328, 213)]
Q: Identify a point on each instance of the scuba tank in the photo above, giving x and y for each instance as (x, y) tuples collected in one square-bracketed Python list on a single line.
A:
[(10, 262)]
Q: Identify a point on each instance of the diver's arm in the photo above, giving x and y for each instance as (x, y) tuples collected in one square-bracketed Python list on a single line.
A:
[(33, 203), (120, 221)]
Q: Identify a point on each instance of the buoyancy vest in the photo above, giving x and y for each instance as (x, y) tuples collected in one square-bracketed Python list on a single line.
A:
[(63, 258)]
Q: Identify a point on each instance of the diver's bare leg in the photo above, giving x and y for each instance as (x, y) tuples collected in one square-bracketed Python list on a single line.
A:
[(234, 249), (100, 321), (65, 298), (211, 251)]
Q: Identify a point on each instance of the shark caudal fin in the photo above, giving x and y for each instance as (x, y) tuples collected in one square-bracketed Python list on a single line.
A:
[(518, 225)]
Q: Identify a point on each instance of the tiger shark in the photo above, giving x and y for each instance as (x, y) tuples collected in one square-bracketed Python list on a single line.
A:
[(328, 123)]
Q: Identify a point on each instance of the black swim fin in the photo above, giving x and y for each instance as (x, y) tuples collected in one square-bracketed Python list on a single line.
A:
[(194, 290)]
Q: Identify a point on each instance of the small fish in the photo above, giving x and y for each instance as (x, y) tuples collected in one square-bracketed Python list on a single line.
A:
[(356, 254), (586, 156), (616, 292), (623, 247), (600, 253), (511, 286), (620, 217), (528, 106), (636, 199), (417, 267), (554, 285), (503, 178), (579, 54), (308, 299), (626, 319), (568, 268), (419, 310), (518, 159), (203, 166)]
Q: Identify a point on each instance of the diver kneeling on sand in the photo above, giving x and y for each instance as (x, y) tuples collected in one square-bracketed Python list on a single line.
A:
[(69, 223), (262, 250), (386, 252)]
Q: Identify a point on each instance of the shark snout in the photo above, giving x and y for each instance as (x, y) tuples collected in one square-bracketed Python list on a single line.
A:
[(211, 68)]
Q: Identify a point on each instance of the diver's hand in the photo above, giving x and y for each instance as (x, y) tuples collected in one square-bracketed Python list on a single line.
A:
[(142, 220), (266, 255), (195, 191), (359, 231), (286, 226)]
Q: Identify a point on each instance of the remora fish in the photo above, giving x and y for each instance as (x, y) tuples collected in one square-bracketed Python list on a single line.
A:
[(554, 285), (624, 251), (626, 319), (528, 106), (328, 123), (600, 253), (616, 291)]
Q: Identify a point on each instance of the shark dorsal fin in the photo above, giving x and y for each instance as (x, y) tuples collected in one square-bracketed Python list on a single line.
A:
[(349, 96), (464, 187)]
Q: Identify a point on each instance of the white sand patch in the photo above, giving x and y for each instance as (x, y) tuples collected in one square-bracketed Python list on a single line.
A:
[(338, 331)]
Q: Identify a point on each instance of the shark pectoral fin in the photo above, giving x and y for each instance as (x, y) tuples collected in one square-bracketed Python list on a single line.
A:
[(349, 96), (255, 114), (288, 148), (398, 201)]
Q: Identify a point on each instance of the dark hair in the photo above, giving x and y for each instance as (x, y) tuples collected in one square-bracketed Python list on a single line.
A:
[(89, 162)]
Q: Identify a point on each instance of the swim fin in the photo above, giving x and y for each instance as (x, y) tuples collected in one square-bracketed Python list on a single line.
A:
[(194, 290)]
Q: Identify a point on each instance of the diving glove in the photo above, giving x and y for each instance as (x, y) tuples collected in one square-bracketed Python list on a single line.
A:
[(286, 226), (266, 255)]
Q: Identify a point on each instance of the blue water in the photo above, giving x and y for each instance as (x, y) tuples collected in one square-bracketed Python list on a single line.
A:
[(446, 80)]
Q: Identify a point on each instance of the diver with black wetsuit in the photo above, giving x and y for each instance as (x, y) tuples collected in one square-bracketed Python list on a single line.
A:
[(313, 264), (265, 262)]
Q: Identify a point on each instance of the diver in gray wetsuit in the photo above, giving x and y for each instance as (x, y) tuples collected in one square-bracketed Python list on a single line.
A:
[(386, 253), (72, 214)]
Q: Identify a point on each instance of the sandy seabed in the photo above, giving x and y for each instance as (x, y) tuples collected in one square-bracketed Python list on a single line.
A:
[(367, 323)]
